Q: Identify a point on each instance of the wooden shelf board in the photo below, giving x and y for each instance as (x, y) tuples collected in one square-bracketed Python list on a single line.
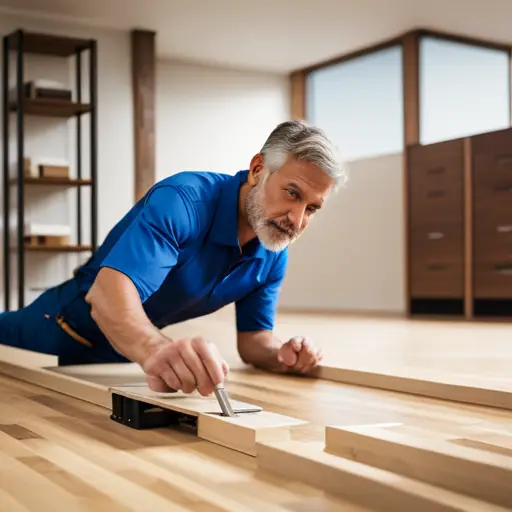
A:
[(68, 182), (58, 248), (52, 107), (48, 44)]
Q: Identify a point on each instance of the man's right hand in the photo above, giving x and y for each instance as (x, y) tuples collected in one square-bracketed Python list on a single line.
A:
[(184, 364)]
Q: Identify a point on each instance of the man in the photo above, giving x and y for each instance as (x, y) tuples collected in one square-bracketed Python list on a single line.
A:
[(196, 242)]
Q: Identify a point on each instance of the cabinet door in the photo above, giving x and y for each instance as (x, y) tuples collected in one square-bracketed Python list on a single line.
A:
[(492, 214), (436, 220)]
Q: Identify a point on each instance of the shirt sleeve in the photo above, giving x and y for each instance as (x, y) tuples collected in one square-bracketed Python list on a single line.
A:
[(257, 311), (149, 247)]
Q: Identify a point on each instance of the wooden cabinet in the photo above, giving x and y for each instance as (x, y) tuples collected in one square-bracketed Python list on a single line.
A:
[(459, 226), (492, 215), (436, 221)]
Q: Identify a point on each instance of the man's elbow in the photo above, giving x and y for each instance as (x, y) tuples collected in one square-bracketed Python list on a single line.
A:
[(95, 296), (91, 299)]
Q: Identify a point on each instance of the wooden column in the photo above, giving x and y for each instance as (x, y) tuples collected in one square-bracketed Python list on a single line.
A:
[(298, 95), (144, 89), (468, 230), (410, 43)]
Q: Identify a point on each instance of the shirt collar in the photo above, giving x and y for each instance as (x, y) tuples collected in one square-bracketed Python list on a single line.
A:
[(225, 222)]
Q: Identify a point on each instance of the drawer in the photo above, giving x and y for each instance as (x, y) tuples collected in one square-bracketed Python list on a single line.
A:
[(492, 229), (498, 141), (436, 240), (436, 278), (492, 161), (492, 202), (436, 182), (492, 279), (437, 203), (492, 247), (492, 172), (436, 165)]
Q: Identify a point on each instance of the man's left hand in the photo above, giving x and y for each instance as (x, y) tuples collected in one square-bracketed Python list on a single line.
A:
[(299, 355)]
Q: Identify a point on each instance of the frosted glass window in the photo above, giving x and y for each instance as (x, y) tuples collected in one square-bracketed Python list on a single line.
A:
[(464, 90), (359, 103)]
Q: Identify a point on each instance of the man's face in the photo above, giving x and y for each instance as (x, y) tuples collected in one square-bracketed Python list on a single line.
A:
[(280, 205)]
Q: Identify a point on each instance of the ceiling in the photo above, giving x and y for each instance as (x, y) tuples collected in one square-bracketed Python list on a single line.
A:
[(274, 35)]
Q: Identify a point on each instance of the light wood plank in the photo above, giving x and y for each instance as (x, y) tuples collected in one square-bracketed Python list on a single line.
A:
[(245, 431), (365, 485), (468, 471), (77, 388), (459, 389)]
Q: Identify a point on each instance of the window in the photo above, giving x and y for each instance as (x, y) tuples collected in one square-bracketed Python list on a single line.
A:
[(359, 102), (464, 90)]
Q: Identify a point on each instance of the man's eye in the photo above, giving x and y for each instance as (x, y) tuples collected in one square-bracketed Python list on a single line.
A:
[(292, 193)]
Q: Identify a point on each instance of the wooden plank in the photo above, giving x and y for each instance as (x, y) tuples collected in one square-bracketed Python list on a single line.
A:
[(65, 384), (410, 71), (144, 107), (364, 485), (240, 433), (468, 229), (410, 42), (244, 432), (457, 389), (298, 95), (469, 471), (107, 374)]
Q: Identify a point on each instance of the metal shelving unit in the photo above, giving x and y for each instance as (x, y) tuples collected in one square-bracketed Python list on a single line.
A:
[(22, 42)]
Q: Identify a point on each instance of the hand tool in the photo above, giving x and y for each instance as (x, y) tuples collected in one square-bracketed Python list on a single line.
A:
[(222, 398)]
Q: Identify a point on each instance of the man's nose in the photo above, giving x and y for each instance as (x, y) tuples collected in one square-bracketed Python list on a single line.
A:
[(296, 216)]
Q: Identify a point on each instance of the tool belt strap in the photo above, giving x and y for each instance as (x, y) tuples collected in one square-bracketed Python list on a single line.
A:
[(71, 332)]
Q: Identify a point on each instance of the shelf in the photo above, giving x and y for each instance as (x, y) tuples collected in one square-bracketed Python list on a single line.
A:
[(66, 182), (52, 107), (46, 44), (58, 248)]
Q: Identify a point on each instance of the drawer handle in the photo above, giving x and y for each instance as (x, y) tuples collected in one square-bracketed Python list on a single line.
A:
[(504, 269), (503, 188), (435, 235), (436, 193), (504, 229), (436, 267), (436, 170)]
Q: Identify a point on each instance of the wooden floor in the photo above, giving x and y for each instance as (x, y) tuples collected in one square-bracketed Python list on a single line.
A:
[(60, 453)]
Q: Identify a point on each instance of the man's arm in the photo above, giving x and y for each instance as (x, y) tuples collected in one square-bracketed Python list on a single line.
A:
[(261, 349), (117, 309), (256, 342), (132, 270), (264, 350)]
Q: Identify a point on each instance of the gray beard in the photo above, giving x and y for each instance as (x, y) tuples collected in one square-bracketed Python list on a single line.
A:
[(270, 237)]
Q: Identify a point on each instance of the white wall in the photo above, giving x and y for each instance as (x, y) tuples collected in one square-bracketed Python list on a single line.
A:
[(214, 119), (351, 257), (56, 138)]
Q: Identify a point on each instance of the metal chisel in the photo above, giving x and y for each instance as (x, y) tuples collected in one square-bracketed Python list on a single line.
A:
[(227, 410)]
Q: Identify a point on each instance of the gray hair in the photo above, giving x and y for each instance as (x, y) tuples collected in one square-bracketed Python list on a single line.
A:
[(305, 142)]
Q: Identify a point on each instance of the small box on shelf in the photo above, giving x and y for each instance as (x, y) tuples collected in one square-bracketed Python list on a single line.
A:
[(46, 168), (42, 89), (47, 241)]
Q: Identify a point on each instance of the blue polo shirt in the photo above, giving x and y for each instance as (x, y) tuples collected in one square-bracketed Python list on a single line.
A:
[(179, 246)]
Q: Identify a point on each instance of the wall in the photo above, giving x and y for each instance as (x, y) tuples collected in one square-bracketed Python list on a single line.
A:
[(214, 119), (351, 258), (56, 138)]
